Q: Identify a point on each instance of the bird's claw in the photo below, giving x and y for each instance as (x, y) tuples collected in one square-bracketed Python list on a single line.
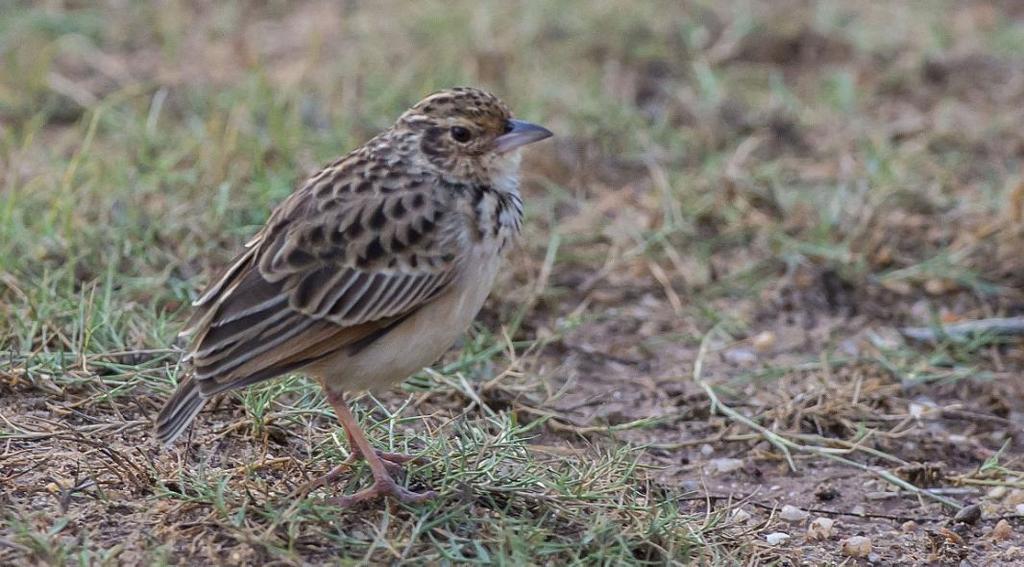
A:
[(393, 463), (384, 487)]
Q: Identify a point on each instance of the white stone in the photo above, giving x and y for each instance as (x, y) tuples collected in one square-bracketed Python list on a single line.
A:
[(792, 514), (775, 538), (820, 528), (740, 515), (857, 546), (726, 464)]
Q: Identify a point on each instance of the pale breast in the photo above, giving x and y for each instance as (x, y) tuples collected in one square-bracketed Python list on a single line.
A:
[(422, 338)]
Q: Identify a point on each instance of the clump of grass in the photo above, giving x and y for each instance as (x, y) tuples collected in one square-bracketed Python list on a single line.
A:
[(501, 499)]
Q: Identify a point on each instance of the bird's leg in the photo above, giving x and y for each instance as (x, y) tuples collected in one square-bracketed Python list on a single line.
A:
[(393, 461), (383, 484)]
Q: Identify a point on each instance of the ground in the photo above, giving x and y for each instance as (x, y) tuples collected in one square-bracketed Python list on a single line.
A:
[(696, 348)]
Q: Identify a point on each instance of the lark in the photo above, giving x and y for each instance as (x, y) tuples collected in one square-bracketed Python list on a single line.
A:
[(368, 272)]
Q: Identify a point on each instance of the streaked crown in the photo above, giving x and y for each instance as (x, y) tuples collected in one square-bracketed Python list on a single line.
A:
[(476, 107)]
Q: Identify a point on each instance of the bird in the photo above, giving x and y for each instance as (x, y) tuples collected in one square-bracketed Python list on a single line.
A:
[(367, 272)]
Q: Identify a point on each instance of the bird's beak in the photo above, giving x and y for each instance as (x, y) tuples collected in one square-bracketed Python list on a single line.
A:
[(522, 133)]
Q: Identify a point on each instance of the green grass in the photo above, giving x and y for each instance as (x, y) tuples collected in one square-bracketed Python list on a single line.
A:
[(697, 177)]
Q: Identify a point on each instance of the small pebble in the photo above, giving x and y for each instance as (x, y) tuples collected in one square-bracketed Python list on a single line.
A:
[(850, 347), (968, 514), (1002, 531), (792, 514), (856, 546), (916, 410), (706, 449), (776, 538), (740, 356), (826, 492), (1019, 508), (997, 492), (887, 339), (858, 510), (725, 465), (820, 528), (740, 515), (909, 526), (900, 287), (1016, 496), (764, 341), (935, 286)]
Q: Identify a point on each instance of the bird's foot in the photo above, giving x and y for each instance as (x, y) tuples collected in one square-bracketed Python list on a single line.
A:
[(393, 462), (382, 487), (382, 464)]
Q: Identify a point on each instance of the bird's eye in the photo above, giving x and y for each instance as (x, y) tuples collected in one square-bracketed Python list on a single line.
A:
[(460, 134), (508, 127)]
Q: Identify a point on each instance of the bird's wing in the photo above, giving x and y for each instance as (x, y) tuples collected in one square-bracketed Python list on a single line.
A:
[(339, 262)]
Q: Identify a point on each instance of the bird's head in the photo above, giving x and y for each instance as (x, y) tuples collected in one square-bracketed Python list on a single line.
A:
[(469, 135)]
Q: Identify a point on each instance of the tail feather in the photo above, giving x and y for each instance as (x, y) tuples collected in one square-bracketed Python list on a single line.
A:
[(179, 411)]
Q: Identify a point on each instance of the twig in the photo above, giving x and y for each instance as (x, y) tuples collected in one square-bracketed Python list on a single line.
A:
[(252, 467), (1005, 326), (984, 481), (698, 369), (26, 434), (974, 416)]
